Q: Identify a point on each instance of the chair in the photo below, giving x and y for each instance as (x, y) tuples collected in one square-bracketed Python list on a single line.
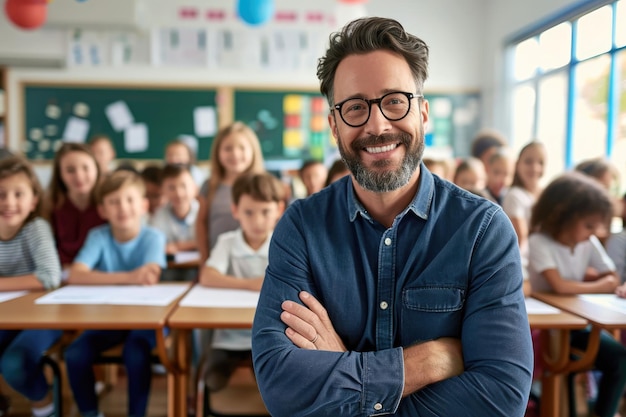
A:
[(242, 386)]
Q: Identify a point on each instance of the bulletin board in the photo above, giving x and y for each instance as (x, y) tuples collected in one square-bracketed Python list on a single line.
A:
[(455, 118), (289, 124), (139, 120)]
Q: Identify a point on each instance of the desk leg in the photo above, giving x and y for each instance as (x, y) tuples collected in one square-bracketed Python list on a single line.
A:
[(550, 392), (182, 358)]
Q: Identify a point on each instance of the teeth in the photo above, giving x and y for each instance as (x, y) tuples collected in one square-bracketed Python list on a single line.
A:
[(380, 149)]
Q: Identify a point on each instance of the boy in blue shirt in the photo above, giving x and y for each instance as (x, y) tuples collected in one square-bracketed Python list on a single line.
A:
[(122, 252)]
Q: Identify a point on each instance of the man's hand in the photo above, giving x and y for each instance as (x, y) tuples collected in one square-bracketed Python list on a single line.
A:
[(430, 362), (309, 326)]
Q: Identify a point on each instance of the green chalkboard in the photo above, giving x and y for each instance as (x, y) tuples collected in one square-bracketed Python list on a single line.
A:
[(291, 125), (139, 121)]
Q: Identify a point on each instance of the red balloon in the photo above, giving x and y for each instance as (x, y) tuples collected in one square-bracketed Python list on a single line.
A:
[(26, 14)]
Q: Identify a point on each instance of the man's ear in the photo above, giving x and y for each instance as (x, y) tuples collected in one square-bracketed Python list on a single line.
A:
[(333, 125), (425, 112)]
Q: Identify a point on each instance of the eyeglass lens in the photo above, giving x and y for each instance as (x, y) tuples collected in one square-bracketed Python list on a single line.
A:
[(394, 106)]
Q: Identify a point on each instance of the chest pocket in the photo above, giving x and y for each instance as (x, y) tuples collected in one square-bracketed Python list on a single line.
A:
[(431, 312)]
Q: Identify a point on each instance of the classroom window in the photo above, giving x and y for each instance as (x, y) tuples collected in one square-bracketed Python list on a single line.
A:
[(551, 117), (619, 146), (523, 114), (567, 86), (594, 33), (555, 46), (620, 27), (526, 59), (590, 108)]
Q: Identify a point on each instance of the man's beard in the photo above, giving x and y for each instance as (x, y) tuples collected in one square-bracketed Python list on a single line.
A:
[(384, 180)]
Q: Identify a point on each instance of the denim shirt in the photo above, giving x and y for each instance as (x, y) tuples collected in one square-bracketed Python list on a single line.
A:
[(449, 266)]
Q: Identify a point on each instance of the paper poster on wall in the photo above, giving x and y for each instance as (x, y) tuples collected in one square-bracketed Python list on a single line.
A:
[(53, 111), (136, 138), (76, 130), (204, 121), (119, 115)]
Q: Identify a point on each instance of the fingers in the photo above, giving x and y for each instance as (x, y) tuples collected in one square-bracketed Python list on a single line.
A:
[(299, 319), (299, 340)]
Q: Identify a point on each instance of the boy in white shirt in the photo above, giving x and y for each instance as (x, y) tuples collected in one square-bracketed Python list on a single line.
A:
[(177, 217), (238, 260)]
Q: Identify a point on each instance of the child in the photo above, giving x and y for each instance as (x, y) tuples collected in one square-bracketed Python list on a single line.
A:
[(104, 152), (178, 152), (438, 167), (28, 261), (238, 260), (152, 177), (336, 171), (235, 150), (122, 252), (562, 250), (499, 171), (313, 175), (73, 209), (525, 189), (470, 175), (486, 143), (177, 218)]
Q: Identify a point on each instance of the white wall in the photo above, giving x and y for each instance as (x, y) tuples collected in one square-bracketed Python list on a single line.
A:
[(503, 19), (465, 38)]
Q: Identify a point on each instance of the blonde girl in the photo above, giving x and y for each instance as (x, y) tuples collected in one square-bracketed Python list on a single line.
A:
[(525, 189), (28, 261), (73, 210), (236, 150)]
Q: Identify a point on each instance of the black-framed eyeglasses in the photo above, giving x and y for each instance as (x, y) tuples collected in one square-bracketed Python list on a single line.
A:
[(355, 112)]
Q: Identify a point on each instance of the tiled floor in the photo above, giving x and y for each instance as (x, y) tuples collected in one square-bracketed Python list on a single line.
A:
[(240, 396)]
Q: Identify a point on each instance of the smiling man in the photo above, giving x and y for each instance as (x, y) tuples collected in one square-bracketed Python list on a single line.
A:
[(407, 300)]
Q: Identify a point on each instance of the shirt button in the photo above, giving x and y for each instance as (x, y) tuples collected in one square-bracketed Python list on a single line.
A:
[(384, 305), (388, 241), (378, 406)]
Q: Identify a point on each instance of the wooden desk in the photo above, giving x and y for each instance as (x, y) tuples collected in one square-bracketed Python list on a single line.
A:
[(556, 358), (594, 313), (22, 313), (183, 320)]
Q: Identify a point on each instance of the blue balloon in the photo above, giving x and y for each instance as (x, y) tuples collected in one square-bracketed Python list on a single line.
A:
[(255, 12)]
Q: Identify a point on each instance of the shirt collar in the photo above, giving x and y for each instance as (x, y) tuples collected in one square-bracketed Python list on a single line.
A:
[(420, 205)]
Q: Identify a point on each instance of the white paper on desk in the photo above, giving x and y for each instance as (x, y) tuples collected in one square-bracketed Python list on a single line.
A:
[(76, 130), (534, 306), (200, 296), (9, 295), (154, 295), (186, 256), (119, 115), (136, 138), (204, 121), (610, 301)]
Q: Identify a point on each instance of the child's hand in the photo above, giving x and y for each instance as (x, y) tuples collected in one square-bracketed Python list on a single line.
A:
[(621, 291), (609, 283), (171, 248), (146, 275), (256, 283)]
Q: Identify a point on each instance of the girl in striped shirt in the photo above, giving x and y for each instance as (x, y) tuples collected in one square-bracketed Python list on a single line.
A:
[(28, 261)]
